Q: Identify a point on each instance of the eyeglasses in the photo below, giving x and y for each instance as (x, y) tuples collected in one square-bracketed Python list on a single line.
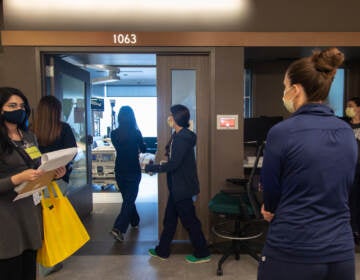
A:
[(15, 105)]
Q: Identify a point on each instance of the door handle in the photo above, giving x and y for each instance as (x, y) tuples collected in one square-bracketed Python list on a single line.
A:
[(89, 140)]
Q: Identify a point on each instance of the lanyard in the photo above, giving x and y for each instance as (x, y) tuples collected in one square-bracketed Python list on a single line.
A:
[(25, 156)]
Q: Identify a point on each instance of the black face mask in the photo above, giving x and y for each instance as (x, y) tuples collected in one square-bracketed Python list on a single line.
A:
[(15, 117)]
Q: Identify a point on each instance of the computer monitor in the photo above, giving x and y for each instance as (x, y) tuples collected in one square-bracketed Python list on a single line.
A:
[(256, 129), (97, 104)]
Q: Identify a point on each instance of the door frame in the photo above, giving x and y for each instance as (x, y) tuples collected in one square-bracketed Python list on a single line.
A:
[(81, 197), (201, 64), (41, 52)]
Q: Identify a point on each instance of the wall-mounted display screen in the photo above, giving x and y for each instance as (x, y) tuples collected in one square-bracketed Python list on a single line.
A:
[(97, 104), (227, 122)]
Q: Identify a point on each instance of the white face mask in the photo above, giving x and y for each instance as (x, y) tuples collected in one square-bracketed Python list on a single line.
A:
[(170, 121), (288, 103), (350, 112)]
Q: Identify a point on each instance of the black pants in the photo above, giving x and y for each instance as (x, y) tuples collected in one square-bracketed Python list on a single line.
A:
[(271, 269), (129, 188), (21, 267), (185, 210)]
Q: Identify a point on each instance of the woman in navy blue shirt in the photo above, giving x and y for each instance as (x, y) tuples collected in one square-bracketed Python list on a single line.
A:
[(308, 169), (128, 142), (352, 112), (183, 185)]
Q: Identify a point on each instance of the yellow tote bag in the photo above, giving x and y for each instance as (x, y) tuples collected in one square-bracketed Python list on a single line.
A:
[(64, 232)]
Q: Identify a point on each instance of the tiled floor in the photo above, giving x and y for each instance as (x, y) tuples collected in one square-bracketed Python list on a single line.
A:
[(140, 267), (102, 258)]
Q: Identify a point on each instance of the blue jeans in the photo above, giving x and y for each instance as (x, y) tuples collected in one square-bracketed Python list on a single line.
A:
[(185, 210), (129, 187)]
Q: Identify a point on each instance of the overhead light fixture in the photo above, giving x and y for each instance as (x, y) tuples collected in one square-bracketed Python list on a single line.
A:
[(111, 78), (152, 15)]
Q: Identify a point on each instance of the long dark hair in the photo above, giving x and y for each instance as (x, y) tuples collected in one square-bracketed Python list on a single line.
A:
[(47, 120), (126, 119), (5, 94), (126, 123)]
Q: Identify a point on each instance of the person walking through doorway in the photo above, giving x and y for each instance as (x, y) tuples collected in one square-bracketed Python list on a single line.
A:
[(128, 142), (183, 185)]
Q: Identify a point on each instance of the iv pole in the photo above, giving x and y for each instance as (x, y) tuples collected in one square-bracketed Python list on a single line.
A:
[(112, 104)]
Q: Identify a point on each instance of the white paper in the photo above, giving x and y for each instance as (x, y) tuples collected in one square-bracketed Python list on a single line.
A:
[(56, 159), (19, 196), (49, 161)]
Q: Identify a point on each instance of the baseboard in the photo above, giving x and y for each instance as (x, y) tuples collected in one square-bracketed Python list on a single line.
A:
[(104, 197)]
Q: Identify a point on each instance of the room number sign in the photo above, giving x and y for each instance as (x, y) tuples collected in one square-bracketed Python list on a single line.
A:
[(125, 39)]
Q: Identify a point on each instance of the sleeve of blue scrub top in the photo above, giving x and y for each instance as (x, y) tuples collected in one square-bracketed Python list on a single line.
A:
[(271, 169), (179, 148)]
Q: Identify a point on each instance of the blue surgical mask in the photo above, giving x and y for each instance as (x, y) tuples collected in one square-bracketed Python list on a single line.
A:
[(15, 117)]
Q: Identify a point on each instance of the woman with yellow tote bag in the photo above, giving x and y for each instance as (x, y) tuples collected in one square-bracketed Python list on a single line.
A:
[(64, 232)]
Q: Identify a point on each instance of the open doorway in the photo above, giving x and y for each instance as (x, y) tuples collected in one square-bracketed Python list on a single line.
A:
[(168, 87), (103, 152), (115, 80), (118, 80)]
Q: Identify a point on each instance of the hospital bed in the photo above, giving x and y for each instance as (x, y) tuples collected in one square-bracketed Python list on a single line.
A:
[(103, 164)]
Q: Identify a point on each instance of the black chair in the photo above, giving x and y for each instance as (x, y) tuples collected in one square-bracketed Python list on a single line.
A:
[(239, 212)]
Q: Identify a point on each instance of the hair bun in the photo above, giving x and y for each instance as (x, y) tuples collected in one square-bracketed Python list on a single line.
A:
[(327, 61)]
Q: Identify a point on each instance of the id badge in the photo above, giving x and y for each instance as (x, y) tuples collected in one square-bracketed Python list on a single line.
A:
[(33, 152), (36, 198)]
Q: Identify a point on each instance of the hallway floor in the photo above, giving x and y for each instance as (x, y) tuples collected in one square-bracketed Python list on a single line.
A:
[(102, 258)]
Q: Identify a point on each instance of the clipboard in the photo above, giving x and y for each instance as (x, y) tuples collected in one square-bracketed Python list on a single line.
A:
[(29, 188), (49, 162)]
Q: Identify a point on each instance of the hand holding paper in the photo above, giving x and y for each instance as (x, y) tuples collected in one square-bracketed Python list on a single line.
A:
[(26, 175), (60, 172), (30, 187), (52, 165), (56, 159)]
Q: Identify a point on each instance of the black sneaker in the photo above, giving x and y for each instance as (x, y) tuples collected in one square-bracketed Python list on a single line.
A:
[(119, 236), (114, 232)]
